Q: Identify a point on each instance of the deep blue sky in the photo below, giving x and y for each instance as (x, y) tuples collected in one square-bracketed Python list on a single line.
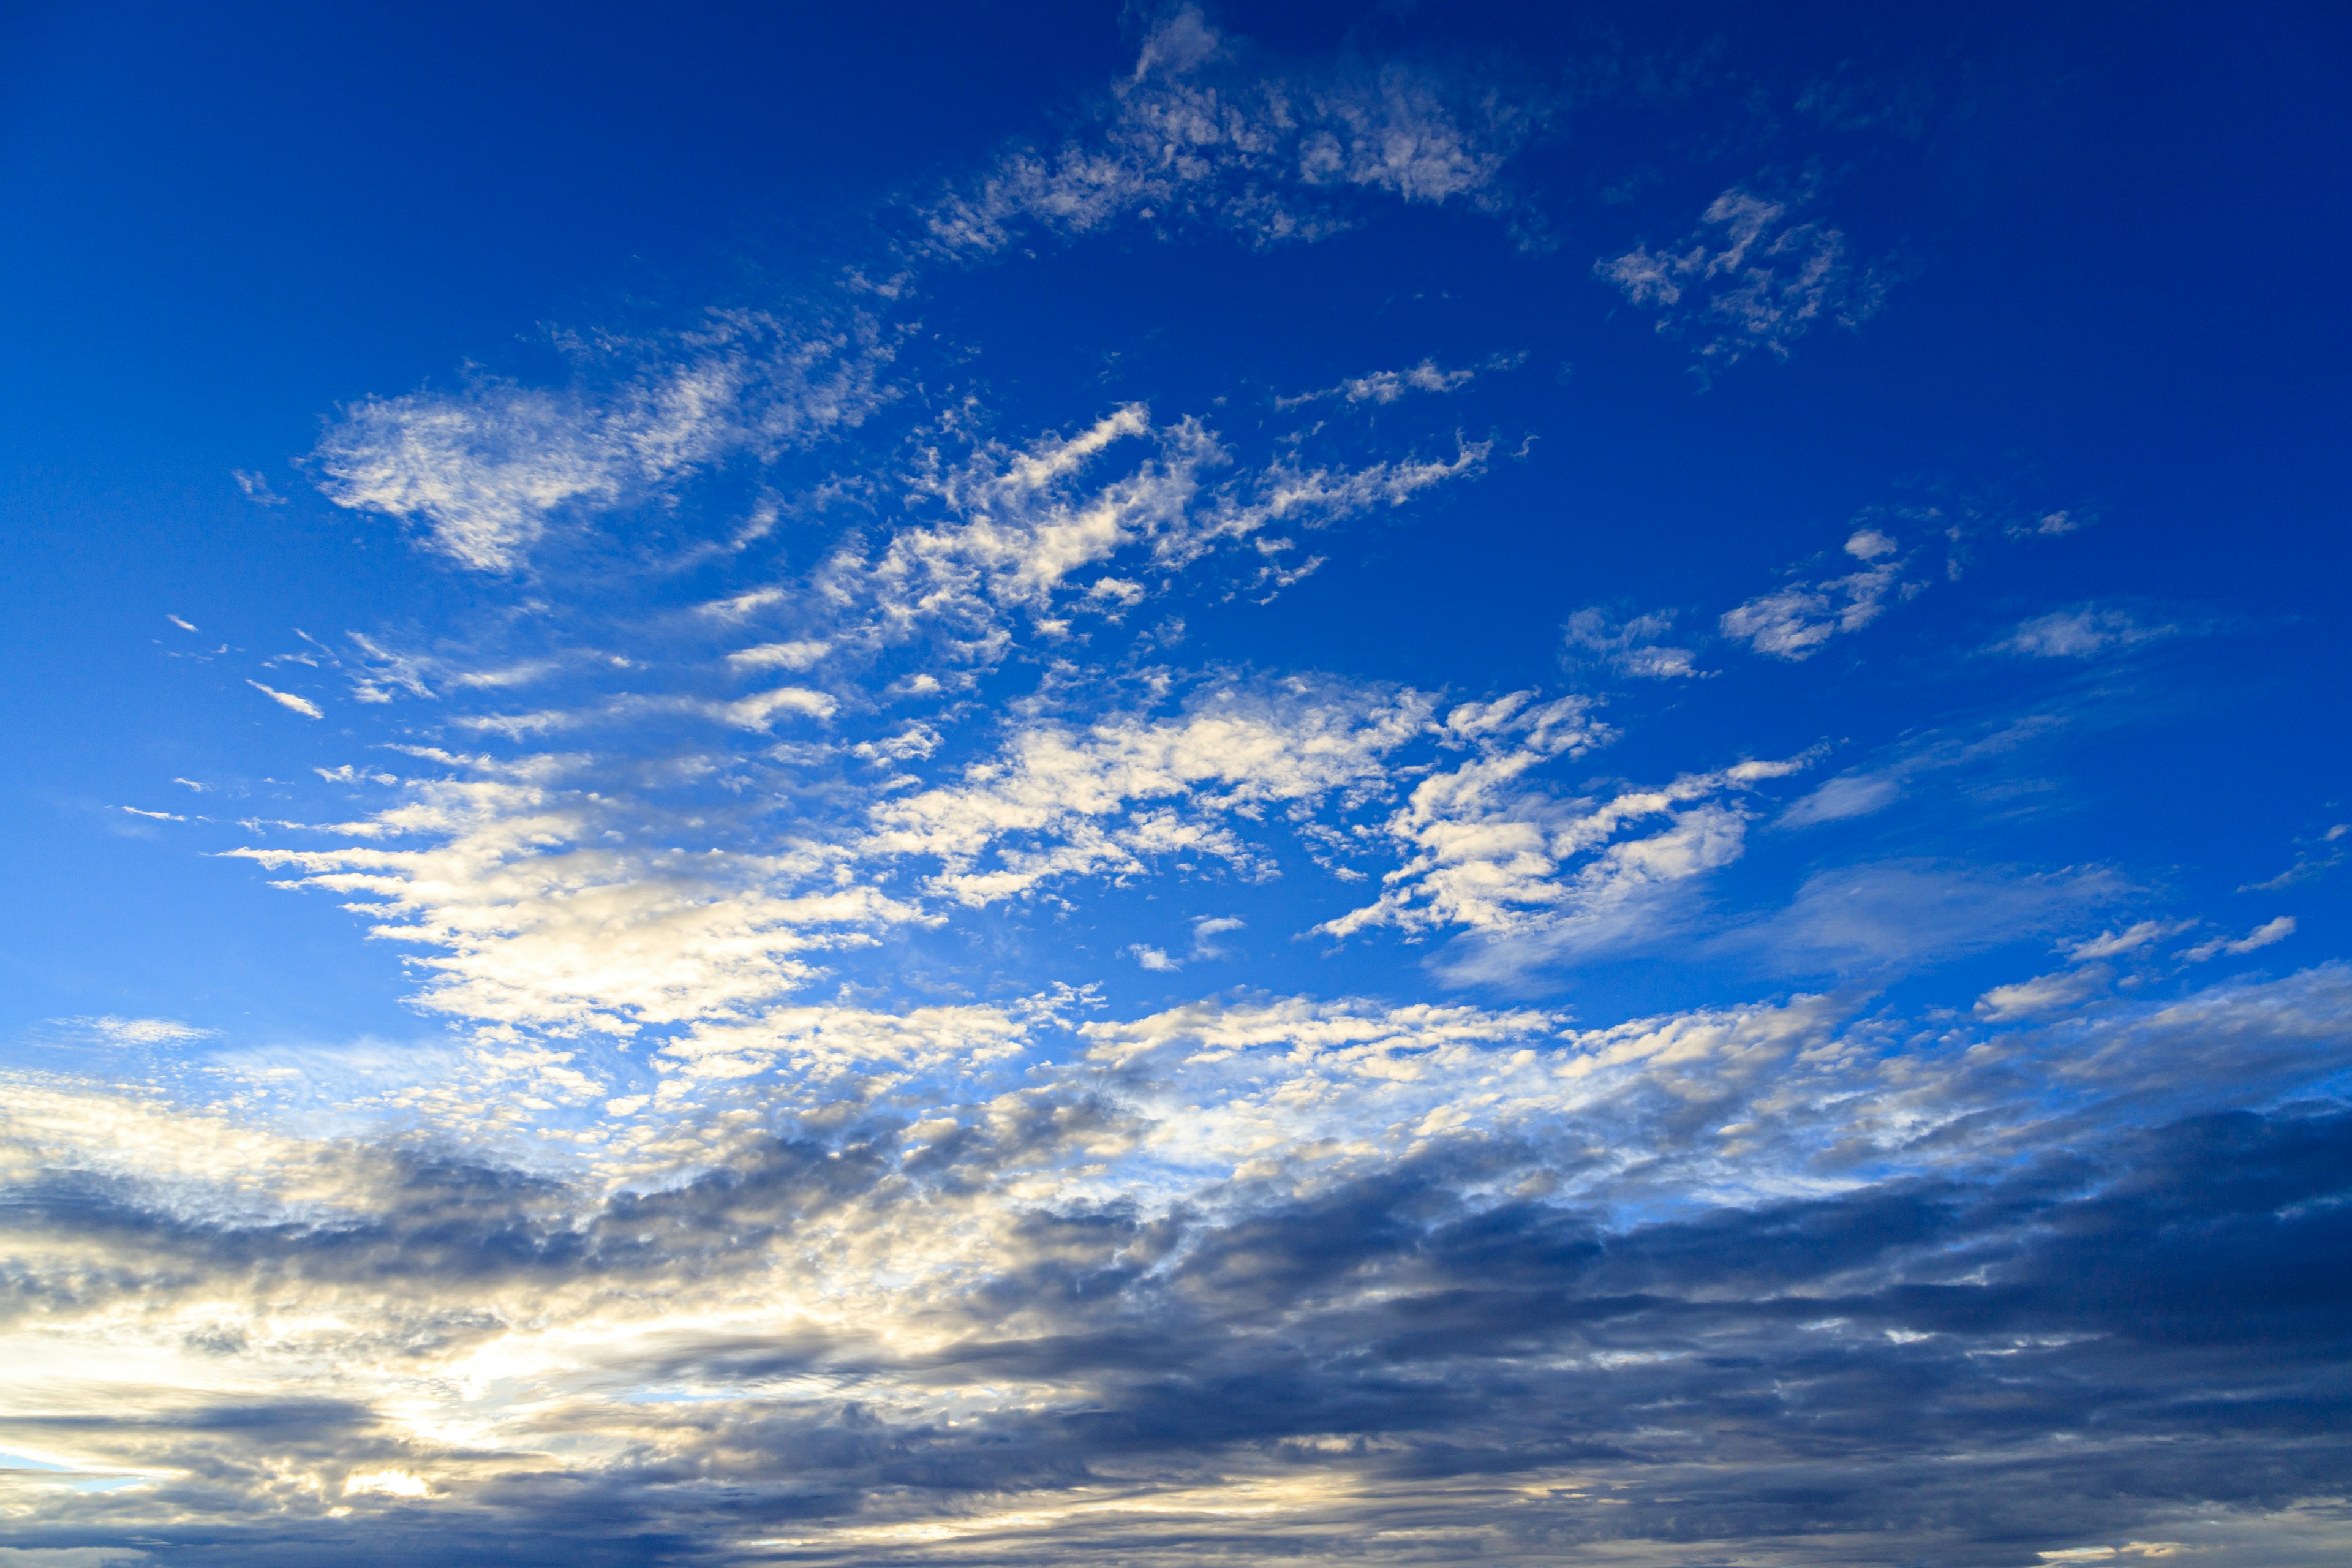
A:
[(1914, 626)]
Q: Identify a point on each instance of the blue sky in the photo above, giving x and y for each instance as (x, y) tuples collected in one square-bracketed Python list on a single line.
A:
[(1373, 782)]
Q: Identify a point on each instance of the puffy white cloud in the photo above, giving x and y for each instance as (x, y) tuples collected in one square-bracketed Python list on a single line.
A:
[(1750, 277)]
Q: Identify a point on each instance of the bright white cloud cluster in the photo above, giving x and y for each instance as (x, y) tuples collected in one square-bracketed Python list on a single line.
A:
[(1487, 851), (530, 917), (1128, 792)]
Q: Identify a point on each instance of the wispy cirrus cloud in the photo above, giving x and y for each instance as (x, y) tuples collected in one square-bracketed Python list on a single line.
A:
[(1750, 277), (1040, 531), (2087, 632), (291, 702), (1203, 132), (484, 473)]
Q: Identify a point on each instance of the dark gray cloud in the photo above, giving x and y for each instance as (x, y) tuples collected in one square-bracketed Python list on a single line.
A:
[(1970, 1367)]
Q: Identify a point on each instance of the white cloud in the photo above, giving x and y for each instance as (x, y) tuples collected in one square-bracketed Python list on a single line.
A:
[(1056, 803), (803, 653), (1794, 621), (115, 1031), (1025, 526), (183, 626), (1488, 852), (2261, 935), (1207, 929), (1154, 958), (1852, 795), (830, 1044), (156, 815), (485, 472), (1195, 135), (256, 488), (759, 710), (1386, 386), (2083, 633), (1748, 278), (303, 705), (1634, 647), (525, 913), (2042, 993), (2315, 859), (2131, 939), (1892, 913)]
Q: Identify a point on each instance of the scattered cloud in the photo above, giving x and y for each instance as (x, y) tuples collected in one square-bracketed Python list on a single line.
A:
[(1636, 647), (1794, 621), (1207, 929), (2133, 938), (1897, 913), (1386, 386), (183, 626), (2084, 633), (1031, 533), (2315, 859), (303, 705), (801, 654), (1749, 277), (484, 473), (1202, 134), (2263, 935), (117, 1031), (2042, 993), (256, 488), (1054, 803), (1862, 793), (1488, 852)]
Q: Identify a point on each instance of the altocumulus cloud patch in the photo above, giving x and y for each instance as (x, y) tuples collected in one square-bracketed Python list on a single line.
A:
[(1288, 808)]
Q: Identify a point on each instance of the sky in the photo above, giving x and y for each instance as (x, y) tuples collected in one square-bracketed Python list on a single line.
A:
[(1357, 783)]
